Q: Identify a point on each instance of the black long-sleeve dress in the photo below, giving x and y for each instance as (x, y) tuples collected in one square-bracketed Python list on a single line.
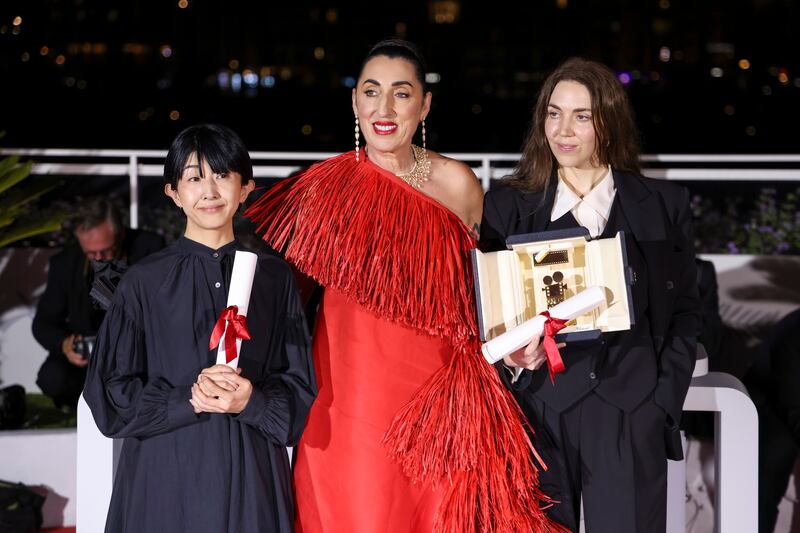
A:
[(179, 471)]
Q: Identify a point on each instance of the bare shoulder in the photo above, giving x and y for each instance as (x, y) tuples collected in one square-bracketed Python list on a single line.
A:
[(453, 173), (457, 187), (454, 177)]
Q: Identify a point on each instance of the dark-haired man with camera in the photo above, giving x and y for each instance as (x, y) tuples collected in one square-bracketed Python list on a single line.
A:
[(65, 321)]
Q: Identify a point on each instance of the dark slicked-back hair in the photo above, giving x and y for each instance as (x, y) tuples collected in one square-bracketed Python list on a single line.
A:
[(219, 146), (399, 48), (612, 117)]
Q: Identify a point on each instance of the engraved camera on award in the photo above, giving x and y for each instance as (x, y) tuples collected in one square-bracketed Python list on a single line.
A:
[(541, 270)]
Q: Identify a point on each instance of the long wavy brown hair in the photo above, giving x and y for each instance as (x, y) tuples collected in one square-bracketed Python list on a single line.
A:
[(612, 116)]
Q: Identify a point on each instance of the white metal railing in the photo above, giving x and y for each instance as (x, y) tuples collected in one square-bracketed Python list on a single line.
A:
[(134, 164)]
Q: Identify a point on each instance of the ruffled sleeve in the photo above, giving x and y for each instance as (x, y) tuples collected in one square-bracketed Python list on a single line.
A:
[(124, 400)]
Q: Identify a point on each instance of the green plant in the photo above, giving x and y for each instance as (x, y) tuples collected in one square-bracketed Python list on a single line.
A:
[(18, 217), (770, 226)]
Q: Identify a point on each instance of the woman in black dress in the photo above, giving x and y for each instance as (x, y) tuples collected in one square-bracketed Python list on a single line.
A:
[(204, 447)]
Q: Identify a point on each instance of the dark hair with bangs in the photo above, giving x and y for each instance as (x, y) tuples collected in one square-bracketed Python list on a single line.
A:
[(612, 116), (399, 48), (219, 146)]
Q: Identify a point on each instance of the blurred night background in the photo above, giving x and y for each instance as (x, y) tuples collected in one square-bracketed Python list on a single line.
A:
[(704, 76)]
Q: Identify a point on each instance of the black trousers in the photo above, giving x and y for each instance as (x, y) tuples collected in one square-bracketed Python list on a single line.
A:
[(60, 380), (615, 460)]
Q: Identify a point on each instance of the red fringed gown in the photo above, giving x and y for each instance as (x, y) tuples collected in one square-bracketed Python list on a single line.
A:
[(411, 431)]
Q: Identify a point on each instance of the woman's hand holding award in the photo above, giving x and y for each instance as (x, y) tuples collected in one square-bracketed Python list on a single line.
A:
[(519, 336)]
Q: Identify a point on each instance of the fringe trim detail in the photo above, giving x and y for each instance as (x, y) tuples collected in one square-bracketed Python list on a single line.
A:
[(356, 228), (484, 455)]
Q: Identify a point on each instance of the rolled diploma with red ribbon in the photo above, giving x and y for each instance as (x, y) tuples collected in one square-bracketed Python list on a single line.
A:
[(520, 336), (244, 270)]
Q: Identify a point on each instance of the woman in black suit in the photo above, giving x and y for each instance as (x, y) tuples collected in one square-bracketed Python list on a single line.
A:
[(609, 423)]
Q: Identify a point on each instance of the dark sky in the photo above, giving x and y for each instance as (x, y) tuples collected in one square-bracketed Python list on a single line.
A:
[(705, 76)]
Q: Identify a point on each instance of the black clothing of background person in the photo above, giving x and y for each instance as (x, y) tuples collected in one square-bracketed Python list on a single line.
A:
[(711, 330), (65, 308), (642, 374), (771, 373), (774, 386)]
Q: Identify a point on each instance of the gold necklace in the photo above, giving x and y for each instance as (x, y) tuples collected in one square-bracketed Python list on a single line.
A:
[(593, 182), (421, 171)]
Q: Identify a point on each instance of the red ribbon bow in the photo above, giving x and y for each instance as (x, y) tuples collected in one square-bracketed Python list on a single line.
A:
[(554, 362), (236, 329)]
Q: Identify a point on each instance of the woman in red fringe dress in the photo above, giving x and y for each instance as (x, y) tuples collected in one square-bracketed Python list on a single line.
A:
[(412, 430)]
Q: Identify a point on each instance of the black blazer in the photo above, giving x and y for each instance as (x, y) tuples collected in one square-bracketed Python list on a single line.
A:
[(64, 307), (660, 219)]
